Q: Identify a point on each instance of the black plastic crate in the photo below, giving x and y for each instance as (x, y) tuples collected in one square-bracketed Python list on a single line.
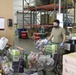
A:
[(18, 66), (18, 69)]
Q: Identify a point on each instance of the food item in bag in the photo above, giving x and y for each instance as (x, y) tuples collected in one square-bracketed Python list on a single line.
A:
[(54, 48)]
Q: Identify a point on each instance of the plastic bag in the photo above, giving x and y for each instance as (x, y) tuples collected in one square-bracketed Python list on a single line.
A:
[(40, 44), (34, 73), (32, 58), (3, 42), (45, 60)]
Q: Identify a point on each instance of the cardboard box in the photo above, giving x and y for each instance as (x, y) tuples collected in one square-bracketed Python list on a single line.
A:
[(45, 19), (51, 19), (70, 60), (31, 32), (34, 3), (69, 71), (63, 2)]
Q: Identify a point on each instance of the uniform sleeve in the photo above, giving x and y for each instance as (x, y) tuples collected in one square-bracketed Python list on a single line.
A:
[(52, 30), (63, 31)]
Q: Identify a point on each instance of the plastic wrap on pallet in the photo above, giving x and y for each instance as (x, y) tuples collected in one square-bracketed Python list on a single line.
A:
[(32, 3)]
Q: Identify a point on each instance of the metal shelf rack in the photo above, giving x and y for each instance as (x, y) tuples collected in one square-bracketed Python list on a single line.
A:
[(45, 9)]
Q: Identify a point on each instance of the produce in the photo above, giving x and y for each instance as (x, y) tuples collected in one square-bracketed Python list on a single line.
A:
[(48, 48), (54, 48), (73, 34), (15, 52), (51, 48)]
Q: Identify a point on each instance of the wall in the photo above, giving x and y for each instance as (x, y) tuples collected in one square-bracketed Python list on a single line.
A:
[(6, 11)]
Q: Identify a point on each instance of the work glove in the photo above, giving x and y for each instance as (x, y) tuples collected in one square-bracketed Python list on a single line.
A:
[(46, 41), (61, 44)]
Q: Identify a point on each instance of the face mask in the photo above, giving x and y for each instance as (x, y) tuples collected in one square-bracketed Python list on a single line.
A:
[(55, 26)]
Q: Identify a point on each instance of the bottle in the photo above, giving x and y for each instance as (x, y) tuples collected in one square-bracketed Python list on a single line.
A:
[(27, 65)]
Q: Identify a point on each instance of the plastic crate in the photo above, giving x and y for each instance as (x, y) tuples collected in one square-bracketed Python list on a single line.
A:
[(36, 38), (19, 32), (24, 36), (36, 34), (16, 67)]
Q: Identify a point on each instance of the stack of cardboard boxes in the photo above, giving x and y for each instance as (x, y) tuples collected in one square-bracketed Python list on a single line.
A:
[(46, 19), (69, 64), (74, 29), (69, 2)]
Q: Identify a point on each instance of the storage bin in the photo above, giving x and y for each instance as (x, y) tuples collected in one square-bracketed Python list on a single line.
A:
[(24, 36), (15, 66), (36, 38), (23, 32), (36, 34), (19, 32)]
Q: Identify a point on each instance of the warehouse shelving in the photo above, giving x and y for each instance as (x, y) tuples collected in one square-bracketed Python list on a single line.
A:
[(49, 7), (45, 9)]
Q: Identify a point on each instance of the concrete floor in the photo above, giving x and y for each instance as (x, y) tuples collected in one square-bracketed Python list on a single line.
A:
[(29, 46)]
